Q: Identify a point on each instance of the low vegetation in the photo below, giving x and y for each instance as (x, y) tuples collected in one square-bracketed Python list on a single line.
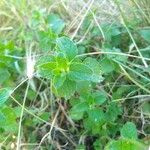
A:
[(74, 75)]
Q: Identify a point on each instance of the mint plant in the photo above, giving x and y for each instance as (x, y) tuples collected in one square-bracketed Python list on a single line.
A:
[(128, 139), (65, 69), (88, 93)]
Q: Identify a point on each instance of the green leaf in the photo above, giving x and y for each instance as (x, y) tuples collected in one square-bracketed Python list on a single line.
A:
[(46, 70), (59, 80), (96, 115), (47, 40), (120, 92), (80, 72), (146, 108), (83, 87), (65, 45), (129, 131), (78, 110), (92, 126), (96, 78), (4, 95), (145, 33), (44, 60), (94, 65), (125, 144), (9, 45), (55, 23), (4, 75), (36, 18), (100, 98), (107, 65), (8, 117), (112, 112), (2, 117), (116, 56), (45, 116), (67, 89), (62, 62)]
